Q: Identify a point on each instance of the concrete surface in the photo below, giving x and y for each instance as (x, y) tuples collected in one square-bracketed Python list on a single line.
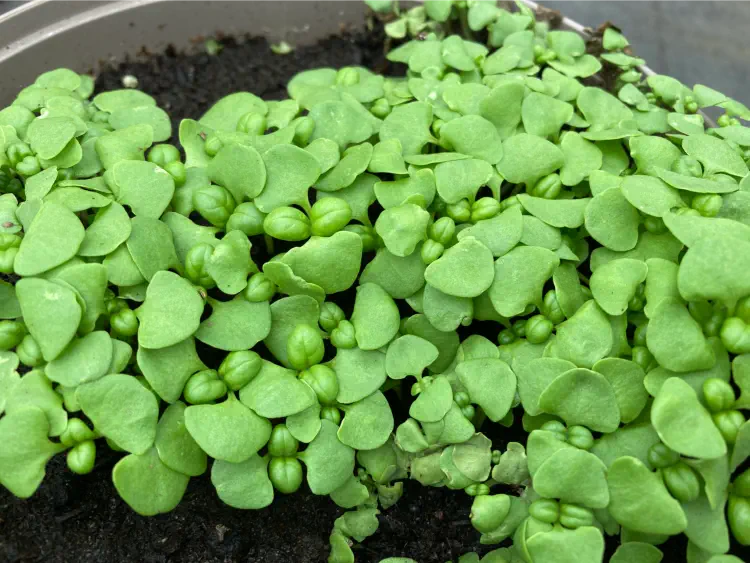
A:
[(696, 42)]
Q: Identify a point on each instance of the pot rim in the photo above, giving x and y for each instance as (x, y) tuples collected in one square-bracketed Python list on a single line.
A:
[(79, 12)]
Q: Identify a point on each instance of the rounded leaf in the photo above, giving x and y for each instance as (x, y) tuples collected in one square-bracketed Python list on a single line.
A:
[(367, 424), (54, 237), (329, 462), (121, 409), (228, 431), (582, 397), (174, 444), (243, 485), (147, 485), (614, 284), (170, 313), (640, 502), (409, 355), (519, 278), (491, 385), (375, 318), (683, 424), (464, 270)]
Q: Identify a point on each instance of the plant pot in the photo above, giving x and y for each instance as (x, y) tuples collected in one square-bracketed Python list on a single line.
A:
[(44, 34)]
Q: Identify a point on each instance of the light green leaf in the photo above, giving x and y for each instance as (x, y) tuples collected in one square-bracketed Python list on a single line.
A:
[(683, 424), (235, 325), (148, 485), (473, 135), (491, 385), (575, 477), (527, 158), (26, 450), (290, 172), (276, 393), (446, 312), (51, 313), (586, 337), (170, 313), (402, 228), (329, 462), (151, 247), (243, 485), (519, 278), (226, 113), (124, 144), (353, 162), (174, 444), (581, 158), (499, 234), (614, 284), (367, 424), (121, 409), (85, 359), (713, 269), (110, 228), (230, 263), (241, 170), (568, 213), (582, 545), (53, 238), (360, 373), (639, 500), (152, 116), (168, 369), (143, 186), (676, 339), (582, 397), (459, 179), (535, 376), (433, 402), (612, 221), (464, 270), (650, 195), (715, 155), (228, 431), (543, 115), (400, 277), (286, 314), (626, 378), (330, 262), (375, 317), (410, 124), (409, 355)]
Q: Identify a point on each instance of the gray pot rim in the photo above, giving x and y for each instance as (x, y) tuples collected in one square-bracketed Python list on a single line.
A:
[(40, 34)]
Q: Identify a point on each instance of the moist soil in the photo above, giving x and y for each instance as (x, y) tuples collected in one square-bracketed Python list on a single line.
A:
[(80, 519)]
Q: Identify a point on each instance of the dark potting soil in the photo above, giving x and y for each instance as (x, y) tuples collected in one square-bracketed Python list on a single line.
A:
[(80, 519)]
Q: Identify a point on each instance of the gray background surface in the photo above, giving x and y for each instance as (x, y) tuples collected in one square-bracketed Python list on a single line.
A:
[(696, 42)]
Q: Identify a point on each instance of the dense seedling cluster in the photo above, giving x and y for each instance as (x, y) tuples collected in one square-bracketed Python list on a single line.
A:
[(361, 283)]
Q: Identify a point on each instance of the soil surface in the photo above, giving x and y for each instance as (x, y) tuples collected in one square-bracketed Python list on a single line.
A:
[(80, 519)]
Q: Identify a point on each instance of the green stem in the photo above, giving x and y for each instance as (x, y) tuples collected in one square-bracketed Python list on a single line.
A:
[(269, 244), (463, 18)]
